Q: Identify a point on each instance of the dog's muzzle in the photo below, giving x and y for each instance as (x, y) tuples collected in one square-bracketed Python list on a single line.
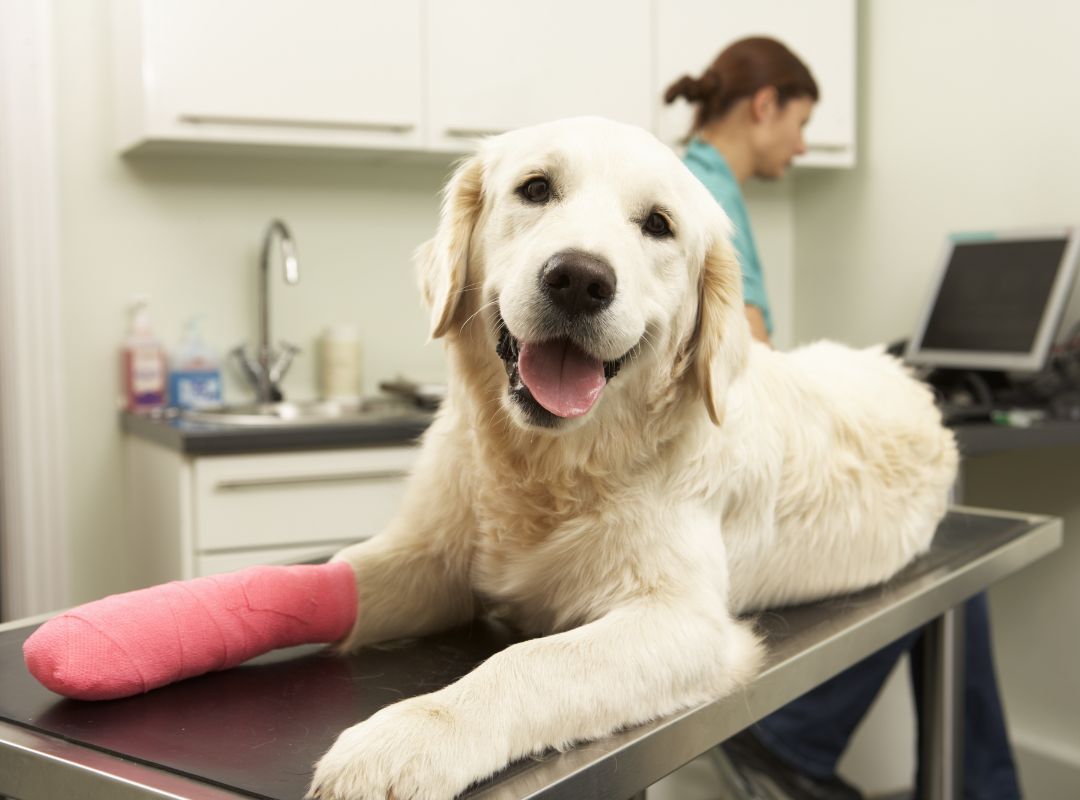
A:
[(554, 375), (554, 379)]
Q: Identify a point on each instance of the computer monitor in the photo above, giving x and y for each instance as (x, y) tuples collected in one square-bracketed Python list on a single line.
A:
[(997, 300)]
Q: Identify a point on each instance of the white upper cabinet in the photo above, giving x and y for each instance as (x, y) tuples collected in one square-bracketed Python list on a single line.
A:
[(337, 73), (495, 65), (435, 74), (691, 33)]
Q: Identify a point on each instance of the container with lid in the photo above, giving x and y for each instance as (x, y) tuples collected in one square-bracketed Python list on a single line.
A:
[(339, 372)]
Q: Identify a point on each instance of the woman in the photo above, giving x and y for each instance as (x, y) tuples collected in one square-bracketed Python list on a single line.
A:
[(752, 104)]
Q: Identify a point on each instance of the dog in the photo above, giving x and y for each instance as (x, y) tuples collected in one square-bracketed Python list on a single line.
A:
[(617, 470)]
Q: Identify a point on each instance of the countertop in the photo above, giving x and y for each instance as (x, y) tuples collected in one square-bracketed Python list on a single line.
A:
[(398, 427), (405, 426), (987, 438), (256, 730)]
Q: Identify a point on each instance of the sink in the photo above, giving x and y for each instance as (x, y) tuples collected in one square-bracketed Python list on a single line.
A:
[(323, 412)]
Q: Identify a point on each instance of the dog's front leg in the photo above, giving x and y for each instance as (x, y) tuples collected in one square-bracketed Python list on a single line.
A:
[(405, 588), (643, 660), (413, 578)]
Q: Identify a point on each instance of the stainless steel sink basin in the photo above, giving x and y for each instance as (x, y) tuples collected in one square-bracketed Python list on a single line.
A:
[(308, 413)]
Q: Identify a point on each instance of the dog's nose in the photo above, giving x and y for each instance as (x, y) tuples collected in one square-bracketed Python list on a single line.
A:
[(578, 283)]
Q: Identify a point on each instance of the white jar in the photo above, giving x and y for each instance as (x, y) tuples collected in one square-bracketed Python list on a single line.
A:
[(340, 363)]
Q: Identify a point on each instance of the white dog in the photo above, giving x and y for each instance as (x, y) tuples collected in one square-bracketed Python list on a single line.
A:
[(617, 467)]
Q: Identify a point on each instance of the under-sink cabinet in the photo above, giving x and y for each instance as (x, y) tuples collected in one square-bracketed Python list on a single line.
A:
[(197, 515)]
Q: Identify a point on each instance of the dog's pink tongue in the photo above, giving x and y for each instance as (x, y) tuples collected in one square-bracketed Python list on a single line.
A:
[(561, 378)]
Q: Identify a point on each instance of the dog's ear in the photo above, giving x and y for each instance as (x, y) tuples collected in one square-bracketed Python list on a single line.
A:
[(442, 262), (723, 332)]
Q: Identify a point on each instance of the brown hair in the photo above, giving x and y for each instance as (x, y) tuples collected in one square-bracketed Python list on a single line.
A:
[(740, 71)]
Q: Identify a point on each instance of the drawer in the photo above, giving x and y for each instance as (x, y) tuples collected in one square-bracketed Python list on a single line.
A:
[(294, 499)]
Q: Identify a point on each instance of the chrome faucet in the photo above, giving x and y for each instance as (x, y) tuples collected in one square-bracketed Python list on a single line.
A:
[(268, 367)]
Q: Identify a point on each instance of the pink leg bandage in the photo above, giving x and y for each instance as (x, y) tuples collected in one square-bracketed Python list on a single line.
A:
[(130, 643)]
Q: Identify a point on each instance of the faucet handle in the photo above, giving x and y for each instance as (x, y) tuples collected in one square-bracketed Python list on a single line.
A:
[(282, 361), (247, 365)]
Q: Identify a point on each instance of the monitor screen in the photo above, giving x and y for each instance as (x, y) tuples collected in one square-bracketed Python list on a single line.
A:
[(997, 300)]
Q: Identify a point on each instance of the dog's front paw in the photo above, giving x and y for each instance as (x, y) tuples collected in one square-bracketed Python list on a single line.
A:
[(412, 750)]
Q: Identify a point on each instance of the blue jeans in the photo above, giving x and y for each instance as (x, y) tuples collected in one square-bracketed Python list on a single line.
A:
[(810, 733)]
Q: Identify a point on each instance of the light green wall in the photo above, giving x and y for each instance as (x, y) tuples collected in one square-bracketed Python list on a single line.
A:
[(969, 115), (185, 229), (968, 119)]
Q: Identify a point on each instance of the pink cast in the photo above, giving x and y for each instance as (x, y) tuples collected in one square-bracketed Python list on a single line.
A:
[(130, 643)]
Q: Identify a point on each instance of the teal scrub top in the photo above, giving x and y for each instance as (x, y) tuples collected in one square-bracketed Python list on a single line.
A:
[(710, 167)]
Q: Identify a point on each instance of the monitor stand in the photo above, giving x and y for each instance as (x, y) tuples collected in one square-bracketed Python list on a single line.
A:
[(969, 393)]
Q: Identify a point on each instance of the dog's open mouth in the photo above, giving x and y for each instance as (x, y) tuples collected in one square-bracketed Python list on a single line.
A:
[(555, 378)]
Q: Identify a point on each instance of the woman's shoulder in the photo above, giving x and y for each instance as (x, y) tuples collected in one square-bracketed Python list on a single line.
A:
[(726, 193), (709, 167)]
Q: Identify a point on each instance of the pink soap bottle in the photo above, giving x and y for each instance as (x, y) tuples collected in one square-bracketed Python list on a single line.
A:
[(143, 368)]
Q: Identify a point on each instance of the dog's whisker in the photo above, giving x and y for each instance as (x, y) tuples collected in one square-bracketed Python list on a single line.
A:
[(473, 316), (493, 408), (645, 338), (468, 287), (498, 412)]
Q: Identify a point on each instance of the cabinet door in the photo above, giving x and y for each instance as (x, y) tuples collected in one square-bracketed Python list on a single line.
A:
[(495, 65), (691, 33), (335, 72)]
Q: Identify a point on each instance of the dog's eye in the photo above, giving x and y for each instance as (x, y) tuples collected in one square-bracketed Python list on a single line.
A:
[(535, 190), (656, 225)]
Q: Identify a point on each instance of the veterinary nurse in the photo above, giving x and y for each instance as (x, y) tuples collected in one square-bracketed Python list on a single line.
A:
[(751, 106)]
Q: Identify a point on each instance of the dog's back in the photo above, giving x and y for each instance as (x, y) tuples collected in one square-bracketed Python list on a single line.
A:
[(860, 469)]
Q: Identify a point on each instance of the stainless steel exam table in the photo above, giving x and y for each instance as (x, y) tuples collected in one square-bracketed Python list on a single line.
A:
[(255, 731)]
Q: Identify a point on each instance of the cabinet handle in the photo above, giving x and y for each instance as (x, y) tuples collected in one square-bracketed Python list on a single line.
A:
[(272, 122), (473, 133), (825, 147), (296, 480)]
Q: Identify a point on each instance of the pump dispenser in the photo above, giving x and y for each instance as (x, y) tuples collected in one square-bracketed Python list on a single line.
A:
[(142, 362), (195, 371)]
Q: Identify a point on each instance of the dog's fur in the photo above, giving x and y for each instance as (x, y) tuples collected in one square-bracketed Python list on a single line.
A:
[(713, 475)]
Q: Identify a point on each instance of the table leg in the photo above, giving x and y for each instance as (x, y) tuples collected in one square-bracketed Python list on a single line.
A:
[(941, 724)]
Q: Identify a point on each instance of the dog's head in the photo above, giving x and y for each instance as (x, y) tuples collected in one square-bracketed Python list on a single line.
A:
[(589, 254)]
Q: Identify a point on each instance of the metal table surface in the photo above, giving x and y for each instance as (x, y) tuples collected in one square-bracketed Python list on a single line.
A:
[(255, 731)]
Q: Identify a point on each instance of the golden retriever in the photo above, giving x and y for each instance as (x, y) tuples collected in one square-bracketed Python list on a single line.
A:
[(617, 467)]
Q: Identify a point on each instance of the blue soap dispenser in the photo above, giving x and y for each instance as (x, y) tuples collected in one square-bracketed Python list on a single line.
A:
[(195, 376)]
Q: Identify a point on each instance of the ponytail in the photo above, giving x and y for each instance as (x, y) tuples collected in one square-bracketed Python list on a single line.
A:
[(741, 71)]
